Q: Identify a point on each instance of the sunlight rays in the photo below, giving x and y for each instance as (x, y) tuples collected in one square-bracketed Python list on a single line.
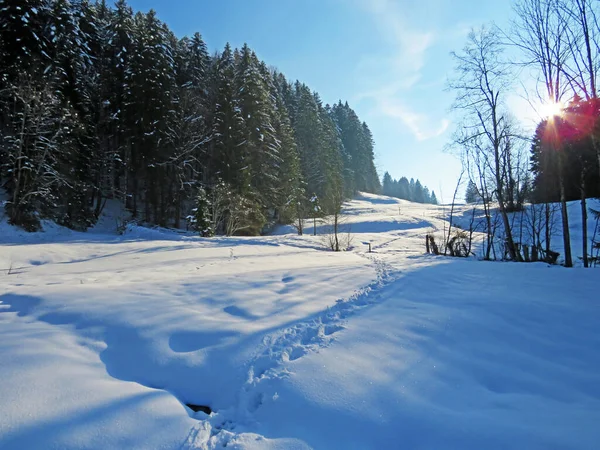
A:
[(551, 109)]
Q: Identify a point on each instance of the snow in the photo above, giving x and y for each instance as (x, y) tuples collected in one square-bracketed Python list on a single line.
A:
[(521, 225), (105, 338)]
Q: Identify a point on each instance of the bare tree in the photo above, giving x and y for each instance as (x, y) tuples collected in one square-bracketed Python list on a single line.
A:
[(458, 184), (542, 33), (337, 234), (477, 166), (582, 34), (481, 83)]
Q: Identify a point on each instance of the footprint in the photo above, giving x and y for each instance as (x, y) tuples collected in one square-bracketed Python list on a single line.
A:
[(297, 353), (35, 262), (256, 402), (239, 312), (191, 341), (330, 329), (287, 279), (309, 336)]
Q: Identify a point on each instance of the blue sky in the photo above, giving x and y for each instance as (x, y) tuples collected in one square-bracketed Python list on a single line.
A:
[(389, 59)]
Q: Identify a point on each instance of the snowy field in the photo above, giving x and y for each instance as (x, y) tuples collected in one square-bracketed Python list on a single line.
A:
[(105, 338)]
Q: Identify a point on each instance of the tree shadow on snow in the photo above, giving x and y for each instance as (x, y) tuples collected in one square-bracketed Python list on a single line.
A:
[(464, 291)]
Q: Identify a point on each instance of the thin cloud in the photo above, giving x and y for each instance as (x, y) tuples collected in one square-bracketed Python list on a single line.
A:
[(410, 43), (398, 71), (418, 124)]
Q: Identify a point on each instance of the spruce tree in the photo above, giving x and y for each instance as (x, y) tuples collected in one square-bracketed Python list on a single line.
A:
[(472, 193), (388, 185), (261, 145), (201, 219), (434, 200), (230, 159)]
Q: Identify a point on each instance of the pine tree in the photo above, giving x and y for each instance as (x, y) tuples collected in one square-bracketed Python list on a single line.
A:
[(24, 30), (292, 194), (418, 193), (230, 160), (331, 159), (201, 220), (388, 185), (261, 145), (434, 200), (371, 177), (472, 193), (187, 134), (308, 131)]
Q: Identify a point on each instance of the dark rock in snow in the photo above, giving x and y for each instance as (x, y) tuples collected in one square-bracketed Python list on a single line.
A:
[(196, 408)]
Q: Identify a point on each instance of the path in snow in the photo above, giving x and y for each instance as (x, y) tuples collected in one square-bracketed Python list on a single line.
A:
[(279, 348)]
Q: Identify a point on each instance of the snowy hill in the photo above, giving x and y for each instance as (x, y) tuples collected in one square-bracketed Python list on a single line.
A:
[(105, 338)]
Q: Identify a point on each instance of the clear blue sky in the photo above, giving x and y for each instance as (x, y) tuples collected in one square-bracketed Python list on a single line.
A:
[(388, 58)]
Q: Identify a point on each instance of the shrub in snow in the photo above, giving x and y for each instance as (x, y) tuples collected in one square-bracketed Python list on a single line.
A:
[(244, 216)]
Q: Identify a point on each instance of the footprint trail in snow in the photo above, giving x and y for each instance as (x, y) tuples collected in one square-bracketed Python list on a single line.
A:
[(278, 350)]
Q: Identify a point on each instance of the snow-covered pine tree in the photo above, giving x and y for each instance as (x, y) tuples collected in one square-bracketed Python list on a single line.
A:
[(201, 219), (188, 132), (230, 161), (258, 109), (291, 201)]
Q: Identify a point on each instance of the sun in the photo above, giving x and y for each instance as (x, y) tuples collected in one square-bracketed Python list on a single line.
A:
[(551, 109)]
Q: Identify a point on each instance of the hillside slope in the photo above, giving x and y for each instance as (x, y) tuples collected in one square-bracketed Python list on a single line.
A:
[(105, 338)]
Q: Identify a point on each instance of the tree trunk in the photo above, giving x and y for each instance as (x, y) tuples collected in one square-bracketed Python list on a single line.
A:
[(512, 251), (488, 220), (547, 227), (14, 214), (565, 215), (584, 221), (177, 221), (98, 209), (597, 147), (452, 212), (335, 230)]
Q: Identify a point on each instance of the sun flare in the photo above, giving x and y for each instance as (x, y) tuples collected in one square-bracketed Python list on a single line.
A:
[(551, 109)]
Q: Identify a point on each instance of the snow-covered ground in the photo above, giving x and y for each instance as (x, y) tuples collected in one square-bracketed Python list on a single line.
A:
[(104, 338)]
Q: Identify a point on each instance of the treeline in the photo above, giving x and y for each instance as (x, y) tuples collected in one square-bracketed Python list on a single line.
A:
[(411, 190), (99, 102)]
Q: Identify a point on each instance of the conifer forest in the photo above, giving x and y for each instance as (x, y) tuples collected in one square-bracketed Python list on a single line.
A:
[(98, 102)]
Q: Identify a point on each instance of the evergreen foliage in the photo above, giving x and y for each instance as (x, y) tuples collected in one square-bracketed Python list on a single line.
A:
[(99, 102), (574, 138), (411, 190), (472, 194), (200, 220)]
